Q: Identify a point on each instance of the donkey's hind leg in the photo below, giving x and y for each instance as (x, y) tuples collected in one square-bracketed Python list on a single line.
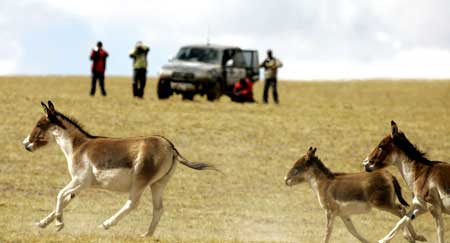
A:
[(351, 228), (47, 220), (132, 203), (157, 198)]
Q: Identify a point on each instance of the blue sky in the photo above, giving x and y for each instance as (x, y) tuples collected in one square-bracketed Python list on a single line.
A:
[(315, 39)]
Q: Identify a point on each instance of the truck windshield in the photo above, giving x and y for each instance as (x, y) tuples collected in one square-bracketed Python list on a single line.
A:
[(196, 54)]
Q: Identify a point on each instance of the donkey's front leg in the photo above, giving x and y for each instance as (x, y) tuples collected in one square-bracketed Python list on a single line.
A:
[(416, 210), (47, 220), (437, 215), (330, 222), (71, 188)]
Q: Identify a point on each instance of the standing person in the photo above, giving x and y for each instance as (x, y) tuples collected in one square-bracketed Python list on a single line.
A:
[(271, 65), (139, 56), (98, 58)]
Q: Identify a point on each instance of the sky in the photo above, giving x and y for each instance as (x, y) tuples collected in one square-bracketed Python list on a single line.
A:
[(315, 39)]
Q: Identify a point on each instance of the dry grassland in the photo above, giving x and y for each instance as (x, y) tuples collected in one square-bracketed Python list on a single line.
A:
[(253, 144)]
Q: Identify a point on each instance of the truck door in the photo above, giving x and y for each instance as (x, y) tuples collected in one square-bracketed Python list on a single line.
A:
[(251, 63), (234, 67)]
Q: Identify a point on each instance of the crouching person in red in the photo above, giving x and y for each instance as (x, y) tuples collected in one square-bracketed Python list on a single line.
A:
[(243, 91)]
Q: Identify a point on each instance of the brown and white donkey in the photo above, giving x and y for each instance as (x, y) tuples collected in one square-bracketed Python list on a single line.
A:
[(118, 164), (428, 180), (345, 194)]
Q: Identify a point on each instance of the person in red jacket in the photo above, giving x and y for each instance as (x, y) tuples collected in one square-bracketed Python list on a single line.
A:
[(98, 58), (243, 91)]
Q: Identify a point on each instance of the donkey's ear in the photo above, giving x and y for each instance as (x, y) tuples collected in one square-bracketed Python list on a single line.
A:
[(394, 128), (314, 151), (311, 151), (51, 106), (46, 110)]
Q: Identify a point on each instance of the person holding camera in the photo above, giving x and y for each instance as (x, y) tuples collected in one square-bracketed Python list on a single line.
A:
[(139, 56), (270, 65), (98, 58)]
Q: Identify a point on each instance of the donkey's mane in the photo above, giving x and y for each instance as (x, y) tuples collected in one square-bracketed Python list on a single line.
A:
[(411, 150), (321, 166), (75, 123)]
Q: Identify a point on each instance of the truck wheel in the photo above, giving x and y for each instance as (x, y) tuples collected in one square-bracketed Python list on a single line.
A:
[(214, 91), (187, 96), (164, 91)]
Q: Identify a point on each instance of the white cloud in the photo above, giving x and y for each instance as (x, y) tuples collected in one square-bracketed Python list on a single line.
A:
[(133, 10), (415, 63), (8, 66), (419, 63), (10, 54), (382, 37)]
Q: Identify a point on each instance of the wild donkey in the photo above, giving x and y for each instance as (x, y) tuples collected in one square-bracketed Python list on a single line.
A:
[(344, 194), (120, 164), (428, 180)]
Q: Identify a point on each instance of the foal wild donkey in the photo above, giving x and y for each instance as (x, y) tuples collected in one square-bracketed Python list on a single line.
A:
[(344, 194), (119, 164), (428, 180)]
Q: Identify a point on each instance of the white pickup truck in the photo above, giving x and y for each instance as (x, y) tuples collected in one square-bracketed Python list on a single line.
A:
[(206, 69)]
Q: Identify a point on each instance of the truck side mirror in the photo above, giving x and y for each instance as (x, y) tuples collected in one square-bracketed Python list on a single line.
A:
[(229, 63)]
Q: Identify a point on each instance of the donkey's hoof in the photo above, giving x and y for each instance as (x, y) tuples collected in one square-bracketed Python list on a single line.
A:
[(146, 235), (41, 225), (104, 226), (59, 226), (409, 238), (420, 238)]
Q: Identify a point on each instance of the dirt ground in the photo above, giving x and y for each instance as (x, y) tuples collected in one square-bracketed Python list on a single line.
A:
[(253, 144)]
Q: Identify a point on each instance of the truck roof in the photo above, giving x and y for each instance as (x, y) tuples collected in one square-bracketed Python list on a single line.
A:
[(214, 46)]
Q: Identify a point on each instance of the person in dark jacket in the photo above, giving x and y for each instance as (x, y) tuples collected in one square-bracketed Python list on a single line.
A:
[(243, 91), (270, 65), (139, 56), (98, 58)]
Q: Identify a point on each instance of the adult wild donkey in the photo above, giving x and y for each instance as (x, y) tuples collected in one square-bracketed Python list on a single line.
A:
[(344, 194), (428, 180), (120, 164)]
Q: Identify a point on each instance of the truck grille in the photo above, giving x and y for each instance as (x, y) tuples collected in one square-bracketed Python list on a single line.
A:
[(182, 75)]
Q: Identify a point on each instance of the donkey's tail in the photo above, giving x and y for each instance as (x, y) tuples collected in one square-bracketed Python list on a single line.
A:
[(195, 165), (398, 191), (188, 163)]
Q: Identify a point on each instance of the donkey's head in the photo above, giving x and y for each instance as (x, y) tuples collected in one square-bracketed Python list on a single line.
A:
[(49, 122), (297, 174), (387, 151)]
